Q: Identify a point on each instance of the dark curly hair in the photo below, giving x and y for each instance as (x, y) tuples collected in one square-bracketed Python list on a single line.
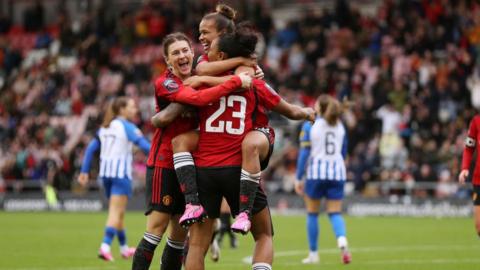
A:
[(241, 42)]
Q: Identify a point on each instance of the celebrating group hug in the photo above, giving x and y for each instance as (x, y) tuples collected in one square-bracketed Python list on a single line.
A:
[(212, 139)]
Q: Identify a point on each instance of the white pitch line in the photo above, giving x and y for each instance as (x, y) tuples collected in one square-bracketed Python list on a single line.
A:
[(289, 253), (370, 262), (68, 268)]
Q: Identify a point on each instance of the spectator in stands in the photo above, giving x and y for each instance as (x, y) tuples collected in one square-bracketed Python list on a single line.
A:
[(415, 54)]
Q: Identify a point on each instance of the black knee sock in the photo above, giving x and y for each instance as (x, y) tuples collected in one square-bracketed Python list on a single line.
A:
[(187, 176), (249, 183), (225, 222), (172, 255), (224, 226), (144, 252)]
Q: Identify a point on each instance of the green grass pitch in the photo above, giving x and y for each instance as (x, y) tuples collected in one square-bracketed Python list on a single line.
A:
[(69, 241)]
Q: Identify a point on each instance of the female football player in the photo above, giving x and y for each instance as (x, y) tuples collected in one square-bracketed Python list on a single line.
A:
[(322, 159), (115, 140)]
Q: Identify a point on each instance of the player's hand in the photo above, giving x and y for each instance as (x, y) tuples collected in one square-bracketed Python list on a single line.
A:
[(299, 187), (83, 179), (462, 177), (194, 81), (259, 73), (246, 79), (310, 114)]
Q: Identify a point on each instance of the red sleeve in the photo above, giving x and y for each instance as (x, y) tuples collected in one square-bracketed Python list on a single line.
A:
[(190, 96), (167, 88), (266, 94), (470, 144), (202, 58)]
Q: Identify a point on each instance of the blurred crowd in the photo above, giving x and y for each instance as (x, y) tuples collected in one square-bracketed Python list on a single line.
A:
[(411, 72)]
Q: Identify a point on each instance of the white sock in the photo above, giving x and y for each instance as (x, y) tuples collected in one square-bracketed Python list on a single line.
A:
[(313, 254), (105, 247), (124, 248), (261, 266), (342, 242)]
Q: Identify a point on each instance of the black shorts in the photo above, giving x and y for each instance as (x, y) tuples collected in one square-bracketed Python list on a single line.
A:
[(476, 195), (270, 134), (163, 192), (215, 183)]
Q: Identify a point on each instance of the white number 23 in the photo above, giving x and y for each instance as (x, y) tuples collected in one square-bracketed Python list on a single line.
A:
[(227, 126)]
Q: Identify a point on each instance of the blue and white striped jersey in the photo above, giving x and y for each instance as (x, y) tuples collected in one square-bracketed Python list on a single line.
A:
[(116, 147), (323, 148)]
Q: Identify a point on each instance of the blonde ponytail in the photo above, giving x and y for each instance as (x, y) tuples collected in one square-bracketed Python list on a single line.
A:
[(329, 108)]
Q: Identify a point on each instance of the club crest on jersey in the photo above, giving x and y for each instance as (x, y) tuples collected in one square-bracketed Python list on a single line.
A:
[(170, 85), (469, 142)]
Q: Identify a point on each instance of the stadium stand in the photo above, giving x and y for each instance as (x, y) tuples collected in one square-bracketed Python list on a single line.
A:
[(410, 70)]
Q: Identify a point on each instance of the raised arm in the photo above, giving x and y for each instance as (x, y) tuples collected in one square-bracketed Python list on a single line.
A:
[(197, 81), (190, 96), (219, 67), (294, 112), (272, 101)]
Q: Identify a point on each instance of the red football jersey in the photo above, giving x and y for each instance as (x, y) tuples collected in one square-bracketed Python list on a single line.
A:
[(224, 124), (202, 58), (473, 138), (169, 88), (261, 115)]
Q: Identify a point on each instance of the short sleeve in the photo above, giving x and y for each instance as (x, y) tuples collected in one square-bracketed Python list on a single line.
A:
[(470, 141), (266, 94)]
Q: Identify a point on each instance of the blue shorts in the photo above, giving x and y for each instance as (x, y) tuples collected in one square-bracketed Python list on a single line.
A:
[(117, 186), (330, 189)]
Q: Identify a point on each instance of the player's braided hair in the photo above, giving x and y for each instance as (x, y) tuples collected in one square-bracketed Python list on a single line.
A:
[(224, 17)]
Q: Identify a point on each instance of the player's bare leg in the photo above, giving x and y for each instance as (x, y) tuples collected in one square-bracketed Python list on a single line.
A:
[(313, 208), (334, 210), (119, 207), (199, 241), (263, 236), (476, 216), (255, 147)]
